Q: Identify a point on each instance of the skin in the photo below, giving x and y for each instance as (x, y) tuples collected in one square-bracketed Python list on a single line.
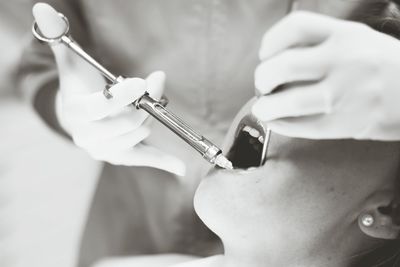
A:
[(301, 208), (257, 216), (308, 192)]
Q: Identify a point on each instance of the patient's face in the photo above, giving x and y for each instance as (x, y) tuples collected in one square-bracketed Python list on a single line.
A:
[(304, 190)]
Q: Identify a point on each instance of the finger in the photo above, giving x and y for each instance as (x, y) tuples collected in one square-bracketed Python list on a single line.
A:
[(120, 143), (294, 65), (145, 155), (317, 127), (69, 64), (96, 106), (293, 102), (155, 83), (297, 29), (108, 128)]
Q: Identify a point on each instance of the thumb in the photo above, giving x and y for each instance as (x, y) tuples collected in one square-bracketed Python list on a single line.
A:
[(155, 84), (70, 66), (300, 28)]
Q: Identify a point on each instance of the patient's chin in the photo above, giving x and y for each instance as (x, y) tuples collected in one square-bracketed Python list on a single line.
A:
[(208, 205), (223, 198)]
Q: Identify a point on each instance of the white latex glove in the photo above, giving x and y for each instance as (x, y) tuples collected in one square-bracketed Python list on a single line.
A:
[(106, 128), (353, 75)]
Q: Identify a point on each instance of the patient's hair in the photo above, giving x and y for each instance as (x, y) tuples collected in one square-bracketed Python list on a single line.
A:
[(383, 16)]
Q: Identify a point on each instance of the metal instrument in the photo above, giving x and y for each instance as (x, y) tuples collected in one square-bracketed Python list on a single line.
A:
[(293, 6)]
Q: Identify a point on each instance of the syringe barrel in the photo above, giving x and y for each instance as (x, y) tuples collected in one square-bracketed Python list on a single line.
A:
[(205, 147)]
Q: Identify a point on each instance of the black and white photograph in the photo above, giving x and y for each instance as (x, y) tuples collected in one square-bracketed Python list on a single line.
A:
[(200, 133)]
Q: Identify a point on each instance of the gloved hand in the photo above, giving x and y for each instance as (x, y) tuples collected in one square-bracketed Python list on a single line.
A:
[(338, 79), (106, 128)]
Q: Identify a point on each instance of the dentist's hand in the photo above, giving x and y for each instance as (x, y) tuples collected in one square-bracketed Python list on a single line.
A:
[(106, 128), (338, 79)]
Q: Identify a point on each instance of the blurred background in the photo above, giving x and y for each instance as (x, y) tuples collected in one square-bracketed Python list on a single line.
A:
[(45, 183)]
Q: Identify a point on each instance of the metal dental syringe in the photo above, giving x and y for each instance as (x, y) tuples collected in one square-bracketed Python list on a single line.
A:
[(155, 108)]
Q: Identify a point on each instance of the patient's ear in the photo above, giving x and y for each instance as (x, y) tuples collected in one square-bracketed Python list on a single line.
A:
[(380, 217)]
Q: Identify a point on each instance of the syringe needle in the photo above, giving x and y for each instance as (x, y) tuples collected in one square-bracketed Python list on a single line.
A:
[(223, 162)]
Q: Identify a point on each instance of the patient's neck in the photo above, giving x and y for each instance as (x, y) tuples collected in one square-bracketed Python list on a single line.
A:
[(257, 259), (328, 251)]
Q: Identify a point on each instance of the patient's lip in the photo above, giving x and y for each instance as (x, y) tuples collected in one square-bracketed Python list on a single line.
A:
[(234, 172), (248, 120), (244, 118), (251, 124), (253, 127)]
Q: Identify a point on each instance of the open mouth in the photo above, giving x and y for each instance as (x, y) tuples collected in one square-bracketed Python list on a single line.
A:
[(250, 144)]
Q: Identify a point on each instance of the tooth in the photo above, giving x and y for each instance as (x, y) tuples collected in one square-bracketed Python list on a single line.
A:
[(253, 132), (261, 139), (247, 129)]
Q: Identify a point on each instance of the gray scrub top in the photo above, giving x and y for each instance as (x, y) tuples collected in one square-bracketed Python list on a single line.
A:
[(208, 49)]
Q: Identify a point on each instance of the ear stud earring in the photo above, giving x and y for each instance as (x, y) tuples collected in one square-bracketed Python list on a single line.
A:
[(367, 220)]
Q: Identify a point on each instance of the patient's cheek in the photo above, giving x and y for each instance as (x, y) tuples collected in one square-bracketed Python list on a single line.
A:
[(293, 149), (332, 169), (305, 166)]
